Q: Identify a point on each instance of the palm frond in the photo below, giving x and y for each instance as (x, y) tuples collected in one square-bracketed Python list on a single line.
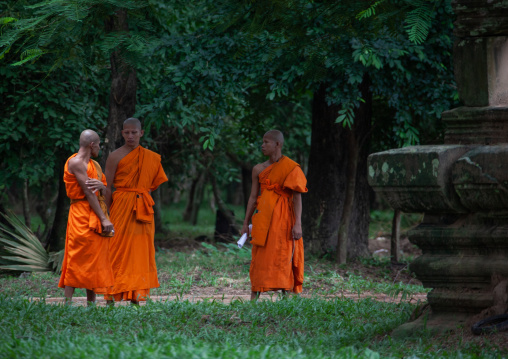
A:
[(25, 251), (22, 268), (56, 260)]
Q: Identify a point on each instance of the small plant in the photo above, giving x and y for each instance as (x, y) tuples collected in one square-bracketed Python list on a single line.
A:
[(24, 252)]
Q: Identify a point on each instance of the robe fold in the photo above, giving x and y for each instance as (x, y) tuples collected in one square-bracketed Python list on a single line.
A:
[(277, 259), (86, 260), (132, 250)]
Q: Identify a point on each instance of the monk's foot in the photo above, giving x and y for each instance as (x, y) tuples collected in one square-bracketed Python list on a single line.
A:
[(110, 303), (254, 296), (134, 302), (90, 303), (68, 301)]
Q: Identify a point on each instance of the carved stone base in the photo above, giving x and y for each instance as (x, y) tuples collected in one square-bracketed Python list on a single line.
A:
[(476, 125), (459, 261), (464, 235)]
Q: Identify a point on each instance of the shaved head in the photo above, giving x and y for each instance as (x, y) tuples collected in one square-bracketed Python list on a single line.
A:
[(276, 136), (87, 137), (132, 122)]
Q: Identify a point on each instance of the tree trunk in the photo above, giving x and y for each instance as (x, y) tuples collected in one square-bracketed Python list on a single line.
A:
[(197, 199), (246, 177), (194, 200), (56, 236), (246, 186), (395, 240), (342, 241), (190, 199), (327, 176), (26, 205), (3, 210), (225, 223), (159, 226), (122, 97), (358, 242)]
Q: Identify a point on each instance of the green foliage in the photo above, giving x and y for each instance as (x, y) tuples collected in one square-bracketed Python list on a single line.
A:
[(370, 11), (25, 251), (296, 328), (302, 57), (293, 328), (41, 120), (74, 30), (419, 20), (417, 14), (29, 55)]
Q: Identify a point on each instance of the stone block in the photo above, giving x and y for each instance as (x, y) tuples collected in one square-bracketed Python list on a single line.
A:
[(480, 178), (458, 271), (417, 178), (480, 17), (469, 301), (481, 70), (471, 71), (476, 125), (460, 260)]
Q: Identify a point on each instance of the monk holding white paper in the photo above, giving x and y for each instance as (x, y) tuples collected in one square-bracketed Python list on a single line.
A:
[(277, 246)]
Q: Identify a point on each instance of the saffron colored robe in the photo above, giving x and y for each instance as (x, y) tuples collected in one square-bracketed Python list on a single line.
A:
[(86, 260), (132, 249), (277, 259)]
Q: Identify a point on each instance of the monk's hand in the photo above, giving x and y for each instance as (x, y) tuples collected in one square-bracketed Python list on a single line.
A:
[(107, 226), (245, 229), (297, 231), (95, 185)]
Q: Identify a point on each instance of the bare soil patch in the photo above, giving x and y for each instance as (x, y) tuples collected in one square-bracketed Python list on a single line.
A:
[(210, 294)]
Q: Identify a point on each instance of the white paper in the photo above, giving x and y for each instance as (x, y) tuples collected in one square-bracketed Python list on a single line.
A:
[(243, 238)]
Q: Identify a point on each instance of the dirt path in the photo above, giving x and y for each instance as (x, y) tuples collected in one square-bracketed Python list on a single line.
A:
[(228, 298)]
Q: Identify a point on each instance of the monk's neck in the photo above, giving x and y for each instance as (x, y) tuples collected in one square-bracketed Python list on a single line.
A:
[(84, 156), (128, 149), (275, 158)]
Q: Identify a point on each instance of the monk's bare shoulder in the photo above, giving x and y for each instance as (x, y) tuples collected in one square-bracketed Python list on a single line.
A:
[(260, 167), (119, 153), (75, 164), (116, 156)]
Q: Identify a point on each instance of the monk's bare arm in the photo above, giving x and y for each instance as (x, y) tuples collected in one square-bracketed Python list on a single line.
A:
[(78, 169), (111, 164), (297, 202), (254, 192)]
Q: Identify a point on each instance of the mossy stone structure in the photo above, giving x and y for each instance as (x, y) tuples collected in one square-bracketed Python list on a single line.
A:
[(462, 185)]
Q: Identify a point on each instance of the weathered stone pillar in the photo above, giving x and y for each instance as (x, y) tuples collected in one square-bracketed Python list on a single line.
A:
[(462, 185)]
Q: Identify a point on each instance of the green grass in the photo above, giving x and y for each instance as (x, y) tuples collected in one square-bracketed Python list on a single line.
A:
[(290, 328), (321, 324), (225, 267)]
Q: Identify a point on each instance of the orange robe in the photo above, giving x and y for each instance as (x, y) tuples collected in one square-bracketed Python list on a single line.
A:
[(277, 259), (132, 249), (86, 259)]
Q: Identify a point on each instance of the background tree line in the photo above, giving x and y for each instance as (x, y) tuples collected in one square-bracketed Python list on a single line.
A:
[(208, 78)]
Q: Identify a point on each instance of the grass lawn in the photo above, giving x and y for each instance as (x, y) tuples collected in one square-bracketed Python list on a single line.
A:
[(325, 322)]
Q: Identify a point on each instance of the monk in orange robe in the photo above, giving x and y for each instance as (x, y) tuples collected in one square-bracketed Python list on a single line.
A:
[(134, 172), (86, 259), (277, 247)]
